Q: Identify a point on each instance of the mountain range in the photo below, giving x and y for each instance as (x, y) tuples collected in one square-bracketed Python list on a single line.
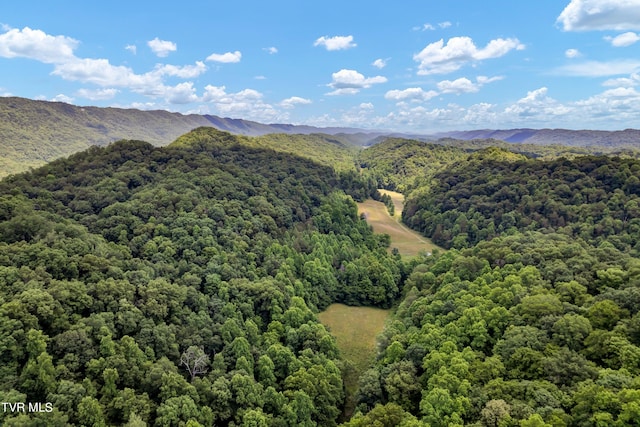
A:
[(628, 138), (34, 132)]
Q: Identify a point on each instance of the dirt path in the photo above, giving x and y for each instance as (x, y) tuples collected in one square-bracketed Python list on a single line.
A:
[(408, 242)]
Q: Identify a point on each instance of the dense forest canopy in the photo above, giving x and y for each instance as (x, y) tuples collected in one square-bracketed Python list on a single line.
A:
[(494, 192), (180, 286), (172, 284), (531, 320)]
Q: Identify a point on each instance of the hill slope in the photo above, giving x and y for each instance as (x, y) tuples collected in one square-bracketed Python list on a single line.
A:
[(33, 133), (329, 150), (122, 266)]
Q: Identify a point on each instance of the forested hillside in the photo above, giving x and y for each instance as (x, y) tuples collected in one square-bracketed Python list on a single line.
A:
[(533, 319), (332, 151), (496, 192), (33, 133), (408, 164), (404, 164), (525, 330), (180, 284)]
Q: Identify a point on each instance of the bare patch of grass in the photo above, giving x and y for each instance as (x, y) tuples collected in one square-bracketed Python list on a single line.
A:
[(356, 330)]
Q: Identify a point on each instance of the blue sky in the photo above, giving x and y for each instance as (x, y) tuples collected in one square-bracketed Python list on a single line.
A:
[(409, 65)]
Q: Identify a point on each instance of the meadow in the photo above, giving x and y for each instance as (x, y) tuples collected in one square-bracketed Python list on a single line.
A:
[(408, 242), (356, 330)]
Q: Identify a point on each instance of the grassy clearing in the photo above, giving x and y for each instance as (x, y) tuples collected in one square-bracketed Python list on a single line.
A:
[(408, 242), (355, 329)]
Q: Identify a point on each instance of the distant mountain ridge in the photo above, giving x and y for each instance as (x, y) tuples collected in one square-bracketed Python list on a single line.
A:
[(33, 133), (251, 128), (628, 138)]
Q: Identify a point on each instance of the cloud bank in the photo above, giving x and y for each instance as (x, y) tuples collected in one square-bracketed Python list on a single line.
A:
[(441, 58), (589, 15)]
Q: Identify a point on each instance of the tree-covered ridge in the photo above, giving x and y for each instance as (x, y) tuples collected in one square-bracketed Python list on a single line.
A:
[(33, 132), (593, 197), (180, 284), (548, 150), (525, 330), (333, 151), (404, 164), (535, 323)]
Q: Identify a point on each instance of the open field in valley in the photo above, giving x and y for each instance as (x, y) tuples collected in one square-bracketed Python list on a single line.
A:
[(355, 329), (408, 242)]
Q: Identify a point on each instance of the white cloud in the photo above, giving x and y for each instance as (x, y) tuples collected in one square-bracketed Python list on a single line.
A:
[(185, 71), (379, 63), (458, 86), (464, 85), (271, 50), (349, 82), (97, 95), (614, 108), (572, 53), (431, 27), (62, 98), (587, 15), (214, 93), (362, 115), (247, 104), (438, 58), (182, 93), (415, 94), (162, 48), (480, 114), (335, 43), (632, 80), (102, 73), (225, 58), (483, 80), (536, 106), (59, 51), (293, 101), (623, 40), (599, 68), (36, 44), (143, 106), (131, 48), (619, 105), (534, 96)]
